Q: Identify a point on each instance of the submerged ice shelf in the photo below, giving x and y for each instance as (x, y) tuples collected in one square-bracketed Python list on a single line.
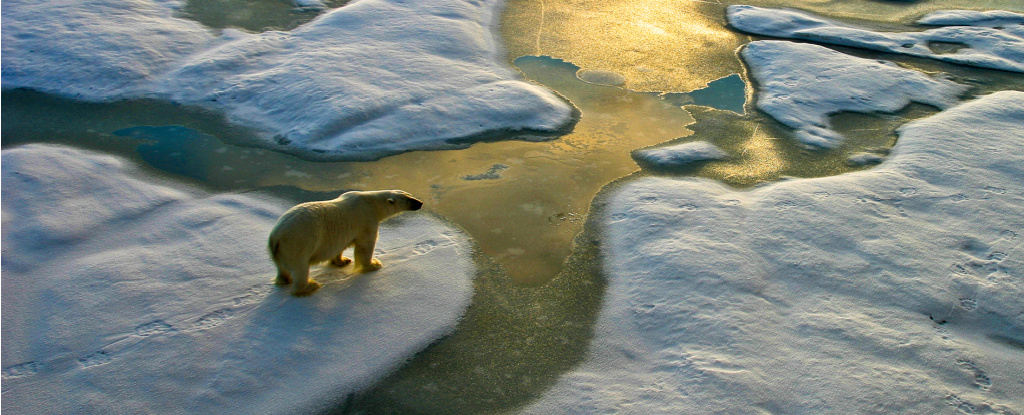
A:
[(125, 294)]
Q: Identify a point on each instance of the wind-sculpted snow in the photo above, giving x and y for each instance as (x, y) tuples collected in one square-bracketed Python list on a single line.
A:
[(125, 295), (801, 85), (993, 39), (95, 49), (891, 290), (373, 78)]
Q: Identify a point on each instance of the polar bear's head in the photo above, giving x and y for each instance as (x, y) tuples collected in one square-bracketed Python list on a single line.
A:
[(401, 201)]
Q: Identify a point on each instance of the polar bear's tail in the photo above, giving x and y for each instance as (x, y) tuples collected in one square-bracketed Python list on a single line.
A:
[(273, 246)]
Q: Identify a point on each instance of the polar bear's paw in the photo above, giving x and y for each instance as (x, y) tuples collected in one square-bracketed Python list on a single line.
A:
[(340, 261), (306, 290), (372, 266)]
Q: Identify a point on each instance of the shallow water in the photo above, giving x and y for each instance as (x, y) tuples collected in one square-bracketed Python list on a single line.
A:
[(254, 15), (628, 67)]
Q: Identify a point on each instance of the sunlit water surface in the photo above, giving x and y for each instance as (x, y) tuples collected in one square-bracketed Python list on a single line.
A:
[(525, 204)]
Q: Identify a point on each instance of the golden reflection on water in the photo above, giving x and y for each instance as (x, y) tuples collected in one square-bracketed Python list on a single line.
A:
[(675, 45), (659, 45), (758, 158), (523, 202)]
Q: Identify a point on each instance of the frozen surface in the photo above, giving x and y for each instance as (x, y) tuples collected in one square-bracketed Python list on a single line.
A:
[(991, 18), (125, 295), (801, 85), (373, 78), (95, 49), (993, 39), (891, 290), (865, 158), (680, 154)]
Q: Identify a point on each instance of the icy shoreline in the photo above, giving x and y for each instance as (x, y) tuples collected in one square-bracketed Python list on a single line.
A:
[(372, 78)]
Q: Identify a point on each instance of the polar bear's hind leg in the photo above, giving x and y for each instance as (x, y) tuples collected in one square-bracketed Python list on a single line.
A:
[(302, 284), (283, 278)]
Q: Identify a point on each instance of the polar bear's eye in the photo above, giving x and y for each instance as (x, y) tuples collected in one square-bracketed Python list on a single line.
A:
[(391, 201)]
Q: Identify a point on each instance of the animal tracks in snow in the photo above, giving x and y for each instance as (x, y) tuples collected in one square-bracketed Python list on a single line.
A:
[(428, 245), (158, 327), (981, 379), (984, 260), (21, 370), (95, 359), (424, 247), (153, 328), (254, 294), (212, 319)]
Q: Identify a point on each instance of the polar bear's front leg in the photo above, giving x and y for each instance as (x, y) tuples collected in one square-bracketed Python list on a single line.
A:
[(364, 254), (340, 261)]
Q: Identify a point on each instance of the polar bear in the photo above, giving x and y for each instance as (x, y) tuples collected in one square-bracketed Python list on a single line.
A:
[(314, 232)]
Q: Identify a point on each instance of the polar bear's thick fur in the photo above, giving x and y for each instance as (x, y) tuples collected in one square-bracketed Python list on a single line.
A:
[(314, 232)]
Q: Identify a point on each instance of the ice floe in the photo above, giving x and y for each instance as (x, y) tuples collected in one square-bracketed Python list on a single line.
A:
[(679, 155), (373, 78), (990, 18), (801, 85), (122, 294), (896, 289), (95, 49), (865, 158), (993, 39)]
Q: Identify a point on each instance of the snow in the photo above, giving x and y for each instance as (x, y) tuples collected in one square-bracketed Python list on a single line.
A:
[(123, 294), (865, 158), (679, 155), (802, 84), (891, 290), (991, 18), (95, 49), (993, 39), (373, 78)]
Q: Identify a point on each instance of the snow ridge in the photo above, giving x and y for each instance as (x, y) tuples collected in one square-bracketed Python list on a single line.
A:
[(992, 40)]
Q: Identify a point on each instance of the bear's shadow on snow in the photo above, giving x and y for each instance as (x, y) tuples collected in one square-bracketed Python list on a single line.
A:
[(304, 318)]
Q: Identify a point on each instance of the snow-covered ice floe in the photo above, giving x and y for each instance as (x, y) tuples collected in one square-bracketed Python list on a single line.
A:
[(373, 78), (801, 85), (892, 290), (679, 155), (991, 39), (125, 295)]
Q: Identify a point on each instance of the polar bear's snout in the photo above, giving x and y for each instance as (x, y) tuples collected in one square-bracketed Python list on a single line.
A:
[(415, 204)]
